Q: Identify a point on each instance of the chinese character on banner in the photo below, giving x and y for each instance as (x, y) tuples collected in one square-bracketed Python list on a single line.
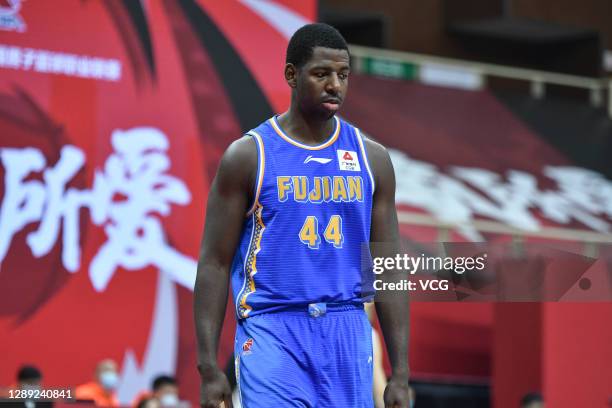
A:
[(467, 193), (128, 198)]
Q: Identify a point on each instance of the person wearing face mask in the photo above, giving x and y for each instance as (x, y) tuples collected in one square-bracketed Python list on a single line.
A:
[(102, 390), (29, 377), (165, 390)]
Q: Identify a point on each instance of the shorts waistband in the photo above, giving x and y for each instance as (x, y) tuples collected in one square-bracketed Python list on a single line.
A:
[(319, 309)]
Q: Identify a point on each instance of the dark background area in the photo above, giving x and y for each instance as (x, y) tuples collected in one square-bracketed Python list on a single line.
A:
[(564, 35)]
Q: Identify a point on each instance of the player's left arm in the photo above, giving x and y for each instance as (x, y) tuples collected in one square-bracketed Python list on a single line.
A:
[(392, 310)]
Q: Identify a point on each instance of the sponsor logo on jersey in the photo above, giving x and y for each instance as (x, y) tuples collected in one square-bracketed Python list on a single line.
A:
[(348, 160), (321, 160)]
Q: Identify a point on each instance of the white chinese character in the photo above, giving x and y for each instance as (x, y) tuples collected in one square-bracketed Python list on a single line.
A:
[(69, 64), (420, 184), (14, 58), (583, 195), (82, 67), (510, 202), (29, 55), (42, 61), (3, 55), (23, 200), (97, 68), (112, 70), (60, 205), (128, 198), (136, 173), (56, 63)]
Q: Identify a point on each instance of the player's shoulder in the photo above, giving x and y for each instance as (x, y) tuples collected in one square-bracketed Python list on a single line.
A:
[(238, 164), (241, 150), (241, 156)]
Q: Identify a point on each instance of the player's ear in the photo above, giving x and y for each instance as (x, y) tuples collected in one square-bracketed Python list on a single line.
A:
[(291, 75)]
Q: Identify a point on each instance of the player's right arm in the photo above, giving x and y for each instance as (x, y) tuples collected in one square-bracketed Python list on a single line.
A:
[(228, 199)]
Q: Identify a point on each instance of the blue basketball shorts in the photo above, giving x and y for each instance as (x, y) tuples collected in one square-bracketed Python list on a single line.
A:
[(306, 358)]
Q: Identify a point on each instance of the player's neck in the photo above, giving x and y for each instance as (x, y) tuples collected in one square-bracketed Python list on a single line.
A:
[(305, 130)]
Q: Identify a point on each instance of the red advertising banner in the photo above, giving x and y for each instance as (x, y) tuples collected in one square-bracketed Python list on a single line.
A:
[(113, 116)]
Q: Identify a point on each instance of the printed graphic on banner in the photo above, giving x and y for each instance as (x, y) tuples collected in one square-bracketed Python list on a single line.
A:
[(10, 20), (131, 188), (468, 193), (51, 62)]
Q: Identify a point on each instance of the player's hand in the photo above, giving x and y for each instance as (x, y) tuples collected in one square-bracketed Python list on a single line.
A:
[(397, 392), (215, 391)]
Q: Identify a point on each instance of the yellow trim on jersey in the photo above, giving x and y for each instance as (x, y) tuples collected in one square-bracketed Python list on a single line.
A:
[(329, 141), (251, 261), (260, 170)]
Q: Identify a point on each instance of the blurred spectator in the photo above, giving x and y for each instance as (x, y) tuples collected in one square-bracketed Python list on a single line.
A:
[(29, 378), (165, 390), (141, 398), (165, 393), (148, 403), (102, 390), (532, 400)]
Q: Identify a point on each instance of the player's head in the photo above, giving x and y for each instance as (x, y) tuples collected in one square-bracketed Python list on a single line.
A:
[(304, 41), (317, 69), (28, 377)]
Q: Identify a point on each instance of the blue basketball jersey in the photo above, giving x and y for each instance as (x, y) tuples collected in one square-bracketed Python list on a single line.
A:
[(302, 238)]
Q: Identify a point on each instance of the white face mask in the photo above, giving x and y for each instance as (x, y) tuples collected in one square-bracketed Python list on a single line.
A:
[(109, 380), (33, 387), (169, 400)]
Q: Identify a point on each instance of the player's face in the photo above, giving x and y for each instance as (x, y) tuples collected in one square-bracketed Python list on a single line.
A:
[(322, 82)]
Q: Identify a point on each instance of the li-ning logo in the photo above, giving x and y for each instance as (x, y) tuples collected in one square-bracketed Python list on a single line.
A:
[(246, 346), (321, 160), (10, 20)]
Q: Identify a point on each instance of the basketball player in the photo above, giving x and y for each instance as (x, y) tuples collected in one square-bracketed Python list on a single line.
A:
[(288, 211)]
